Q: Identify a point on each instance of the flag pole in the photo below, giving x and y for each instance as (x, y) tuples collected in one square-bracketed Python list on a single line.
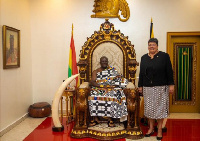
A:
[(151, 29), (72, 29), (73, 109)]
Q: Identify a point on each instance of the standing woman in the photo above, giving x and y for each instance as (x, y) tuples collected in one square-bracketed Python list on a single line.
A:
[(155, 82)]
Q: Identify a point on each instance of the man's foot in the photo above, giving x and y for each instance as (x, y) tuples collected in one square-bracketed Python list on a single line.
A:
[(111, 123)]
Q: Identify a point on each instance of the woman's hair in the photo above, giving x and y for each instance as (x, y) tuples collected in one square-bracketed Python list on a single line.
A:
[(153, 40)]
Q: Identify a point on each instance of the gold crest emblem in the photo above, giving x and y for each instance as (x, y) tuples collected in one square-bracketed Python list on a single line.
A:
[(110, 9)]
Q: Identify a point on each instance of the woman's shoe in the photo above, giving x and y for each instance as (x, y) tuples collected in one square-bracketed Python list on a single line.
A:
[(148, 135), (159, 138)]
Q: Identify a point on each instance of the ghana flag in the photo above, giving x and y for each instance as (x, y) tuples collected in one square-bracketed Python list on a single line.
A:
[(151, 29), (72, 67)]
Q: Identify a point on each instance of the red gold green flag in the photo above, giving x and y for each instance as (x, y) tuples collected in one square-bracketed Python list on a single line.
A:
[(72, 67)]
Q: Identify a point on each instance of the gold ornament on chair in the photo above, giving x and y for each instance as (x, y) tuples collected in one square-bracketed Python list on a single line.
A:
[(110, 9)]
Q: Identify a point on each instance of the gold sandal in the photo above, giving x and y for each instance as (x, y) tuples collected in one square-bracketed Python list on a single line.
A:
[(111, 123), (93, 123)]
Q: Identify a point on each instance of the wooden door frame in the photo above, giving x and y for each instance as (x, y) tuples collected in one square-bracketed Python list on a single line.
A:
[(169, 49), (179, 34)]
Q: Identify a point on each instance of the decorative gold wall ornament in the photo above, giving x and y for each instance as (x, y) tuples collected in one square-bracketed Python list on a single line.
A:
[(111, 9)]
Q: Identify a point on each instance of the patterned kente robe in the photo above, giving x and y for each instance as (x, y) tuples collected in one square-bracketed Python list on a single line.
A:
[(105, 102)]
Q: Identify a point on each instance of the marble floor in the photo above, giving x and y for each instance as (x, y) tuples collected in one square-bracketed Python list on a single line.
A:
[(22, 130)]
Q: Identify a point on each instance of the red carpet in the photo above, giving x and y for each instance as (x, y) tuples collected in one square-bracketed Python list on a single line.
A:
[(177, 130)]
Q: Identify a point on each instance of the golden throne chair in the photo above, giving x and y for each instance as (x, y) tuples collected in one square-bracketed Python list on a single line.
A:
[(121, 55)]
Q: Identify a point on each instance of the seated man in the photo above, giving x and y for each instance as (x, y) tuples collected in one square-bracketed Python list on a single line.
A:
[(107, 98)]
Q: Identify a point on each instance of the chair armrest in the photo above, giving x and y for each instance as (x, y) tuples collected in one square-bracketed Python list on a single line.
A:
[(130, 85), (84, 85)]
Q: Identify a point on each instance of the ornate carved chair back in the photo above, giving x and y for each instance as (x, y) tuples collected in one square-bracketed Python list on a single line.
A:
[(112, 44)]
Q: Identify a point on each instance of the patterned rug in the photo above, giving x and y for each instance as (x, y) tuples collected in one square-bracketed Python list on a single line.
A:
[(104, 127)]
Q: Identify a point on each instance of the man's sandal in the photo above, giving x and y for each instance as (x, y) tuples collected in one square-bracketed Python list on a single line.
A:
[(93, 123), (111, 124)]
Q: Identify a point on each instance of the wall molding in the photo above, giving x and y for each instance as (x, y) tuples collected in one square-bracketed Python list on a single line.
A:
[(11, 126)]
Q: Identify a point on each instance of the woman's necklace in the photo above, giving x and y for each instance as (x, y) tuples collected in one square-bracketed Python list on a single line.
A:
[(152, 55)]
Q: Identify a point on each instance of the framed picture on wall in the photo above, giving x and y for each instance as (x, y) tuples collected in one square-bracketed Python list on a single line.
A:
[(11, 47)]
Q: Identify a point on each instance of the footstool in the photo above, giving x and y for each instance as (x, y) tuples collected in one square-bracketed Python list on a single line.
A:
[(39, 110)]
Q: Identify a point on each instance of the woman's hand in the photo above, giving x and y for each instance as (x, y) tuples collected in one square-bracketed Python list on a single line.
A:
[(140, 90), (171, 89)]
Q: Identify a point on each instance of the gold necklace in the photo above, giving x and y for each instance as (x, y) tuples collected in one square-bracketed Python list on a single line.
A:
[(152, 55)]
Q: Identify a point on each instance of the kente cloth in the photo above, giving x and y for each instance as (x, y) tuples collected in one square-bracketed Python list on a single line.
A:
[(109, 102), (156, 102)]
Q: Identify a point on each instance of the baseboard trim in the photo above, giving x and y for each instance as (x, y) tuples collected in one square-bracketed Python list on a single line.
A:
[(11, 126)]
